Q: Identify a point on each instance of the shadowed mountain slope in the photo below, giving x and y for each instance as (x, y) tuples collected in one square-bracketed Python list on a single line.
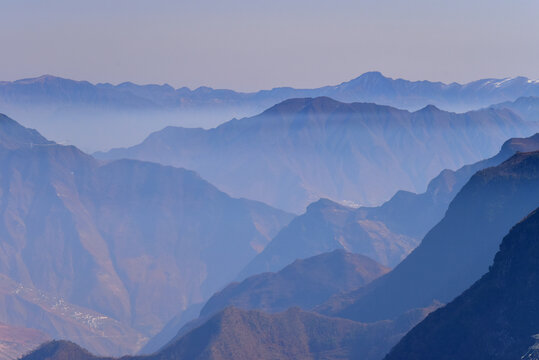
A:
[(495, 318), (457, 251), (304, 149), (116, 237)]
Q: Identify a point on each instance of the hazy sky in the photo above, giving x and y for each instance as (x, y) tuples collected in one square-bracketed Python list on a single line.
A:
[(254, 44)]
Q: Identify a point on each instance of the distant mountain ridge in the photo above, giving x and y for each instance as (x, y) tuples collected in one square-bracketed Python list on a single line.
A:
[(304, 149), (525, 107), (368, 87), (102, 116)]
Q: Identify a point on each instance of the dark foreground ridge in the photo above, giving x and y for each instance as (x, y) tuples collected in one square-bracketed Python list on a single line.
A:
[(495, 318)]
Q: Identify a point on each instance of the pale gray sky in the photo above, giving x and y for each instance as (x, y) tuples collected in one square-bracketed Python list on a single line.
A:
[(256, 44)]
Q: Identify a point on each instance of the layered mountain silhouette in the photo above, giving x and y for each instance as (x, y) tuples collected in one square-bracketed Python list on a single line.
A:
[(305, 149), (457, 251), (449, 333), (249, 334), (123, 244), (369, 87), (525, 107), (254, 292), (493, 319), (386, 233), (101, 116), (305, 283)]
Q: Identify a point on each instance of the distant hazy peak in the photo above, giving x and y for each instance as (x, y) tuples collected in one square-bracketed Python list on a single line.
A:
[(429, 109)]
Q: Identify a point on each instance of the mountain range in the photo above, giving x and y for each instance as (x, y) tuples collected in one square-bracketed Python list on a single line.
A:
[(105, 253), (101, 116), (386, 233), (465, 328), (369, 87), (496, 318), (486, 205), (457, 251), (305, 149), (112, 250), (525, 107), (368, 321)]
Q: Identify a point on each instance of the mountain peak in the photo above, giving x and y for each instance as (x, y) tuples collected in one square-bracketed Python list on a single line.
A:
[(323, 203), (47, 78), (294, 105), (368, 78), (429, 109), (372, 75)]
